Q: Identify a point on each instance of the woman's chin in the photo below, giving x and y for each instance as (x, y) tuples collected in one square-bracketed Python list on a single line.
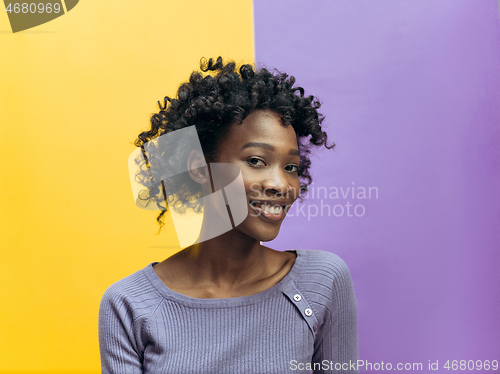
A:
[(270, 235), (263, 234)]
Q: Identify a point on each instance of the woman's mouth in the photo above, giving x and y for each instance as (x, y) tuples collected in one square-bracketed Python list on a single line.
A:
[(271, 212)]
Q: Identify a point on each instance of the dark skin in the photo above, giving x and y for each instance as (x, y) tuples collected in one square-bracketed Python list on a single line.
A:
[(235, 263)]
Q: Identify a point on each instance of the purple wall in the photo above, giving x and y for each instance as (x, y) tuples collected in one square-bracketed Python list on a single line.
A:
[(411, 95)]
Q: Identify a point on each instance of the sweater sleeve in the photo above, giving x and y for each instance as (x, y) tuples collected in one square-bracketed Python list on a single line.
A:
[(337, 340), (117, 344)]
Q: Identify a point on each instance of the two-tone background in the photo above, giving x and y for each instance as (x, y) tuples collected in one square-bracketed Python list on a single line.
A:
[(411, 96)]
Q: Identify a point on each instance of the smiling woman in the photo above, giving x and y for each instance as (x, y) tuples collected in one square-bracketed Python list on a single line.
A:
[(267, 154), (229, 304)]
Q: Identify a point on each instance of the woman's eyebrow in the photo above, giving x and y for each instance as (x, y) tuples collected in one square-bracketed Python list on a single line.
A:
[(294, 152)]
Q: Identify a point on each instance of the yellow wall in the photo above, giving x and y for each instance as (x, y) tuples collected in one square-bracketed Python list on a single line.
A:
[(74, 94)]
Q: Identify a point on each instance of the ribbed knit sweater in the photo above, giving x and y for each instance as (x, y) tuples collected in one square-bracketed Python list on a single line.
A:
[(307, 321)]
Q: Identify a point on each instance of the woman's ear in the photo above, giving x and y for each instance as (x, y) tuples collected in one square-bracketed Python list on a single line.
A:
[(197, 167)]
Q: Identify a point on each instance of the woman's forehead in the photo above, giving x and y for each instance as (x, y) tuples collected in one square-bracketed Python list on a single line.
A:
[(263, 125)]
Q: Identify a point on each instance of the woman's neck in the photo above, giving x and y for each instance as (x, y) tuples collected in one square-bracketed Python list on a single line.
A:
[(228, 260)]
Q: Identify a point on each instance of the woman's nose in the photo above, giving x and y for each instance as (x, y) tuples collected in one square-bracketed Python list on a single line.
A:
[(276, 181)]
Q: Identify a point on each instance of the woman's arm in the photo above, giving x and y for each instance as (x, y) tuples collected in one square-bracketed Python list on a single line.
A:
[(337, 340), (117, 344)]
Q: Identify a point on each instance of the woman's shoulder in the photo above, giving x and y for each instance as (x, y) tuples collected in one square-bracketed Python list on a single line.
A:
[(315, 260), (322, 273), (132, 289)]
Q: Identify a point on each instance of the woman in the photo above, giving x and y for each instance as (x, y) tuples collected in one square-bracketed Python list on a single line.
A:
[(228, 304)]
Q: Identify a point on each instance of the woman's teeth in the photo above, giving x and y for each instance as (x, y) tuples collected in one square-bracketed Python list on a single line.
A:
[(270, 209)]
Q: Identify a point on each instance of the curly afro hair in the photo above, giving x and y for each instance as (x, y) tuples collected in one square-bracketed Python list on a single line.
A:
[(214, 101)]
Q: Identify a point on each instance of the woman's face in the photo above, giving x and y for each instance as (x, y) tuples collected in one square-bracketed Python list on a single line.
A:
[(268, 156)]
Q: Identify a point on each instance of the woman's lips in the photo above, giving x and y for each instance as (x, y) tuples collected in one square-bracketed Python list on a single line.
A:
[(270, 216)]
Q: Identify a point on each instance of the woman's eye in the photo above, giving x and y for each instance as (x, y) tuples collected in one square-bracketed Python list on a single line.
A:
[(255, 161), (293, 168)]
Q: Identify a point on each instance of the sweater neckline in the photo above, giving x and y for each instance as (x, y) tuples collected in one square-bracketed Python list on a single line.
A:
[(168, 294)]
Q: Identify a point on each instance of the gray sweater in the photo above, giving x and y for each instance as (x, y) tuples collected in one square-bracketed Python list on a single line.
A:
[(308, 321)]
